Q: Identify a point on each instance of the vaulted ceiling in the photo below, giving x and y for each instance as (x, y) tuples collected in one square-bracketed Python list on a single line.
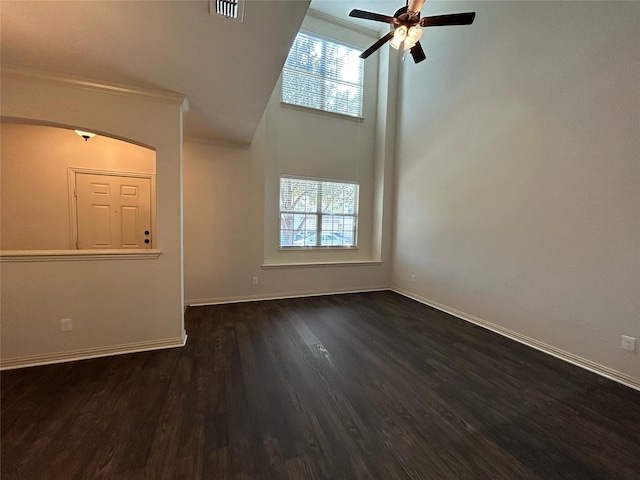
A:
[(227, 69)]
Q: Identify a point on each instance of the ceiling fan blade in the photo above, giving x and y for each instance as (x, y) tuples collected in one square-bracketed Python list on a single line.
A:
[(417, 53), (370, 16), (415, 5), (451, 19), (376, 45)]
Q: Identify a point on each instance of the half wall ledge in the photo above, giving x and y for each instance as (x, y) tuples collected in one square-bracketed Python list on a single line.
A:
[(9, 256)]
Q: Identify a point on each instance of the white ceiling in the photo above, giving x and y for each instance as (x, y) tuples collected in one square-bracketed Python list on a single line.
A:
[(227, 69), (341, 8)]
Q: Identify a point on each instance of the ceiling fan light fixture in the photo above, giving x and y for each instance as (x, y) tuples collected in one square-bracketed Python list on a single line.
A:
[(413, 36), (399, 34), (85, 135)]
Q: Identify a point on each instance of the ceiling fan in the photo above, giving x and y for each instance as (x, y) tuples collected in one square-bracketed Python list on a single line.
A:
[(405, 27)]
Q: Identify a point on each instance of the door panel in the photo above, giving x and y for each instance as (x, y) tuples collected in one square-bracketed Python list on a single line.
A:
[(128, 191), (100, 226), (130, 227), (99, 189), (113, 211)]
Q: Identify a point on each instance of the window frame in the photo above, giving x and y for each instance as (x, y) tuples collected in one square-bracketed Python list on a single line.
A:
[(319, 214), (360, 85)]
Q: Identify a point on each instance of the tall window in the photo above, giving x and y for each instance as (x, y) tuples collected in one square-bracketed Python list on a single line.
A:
[(318, 213), (324, 75)]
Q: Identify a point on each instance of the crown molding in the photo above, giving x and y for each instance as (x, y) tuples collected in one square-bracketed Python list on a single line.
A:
[(342, 23), (165, 96)]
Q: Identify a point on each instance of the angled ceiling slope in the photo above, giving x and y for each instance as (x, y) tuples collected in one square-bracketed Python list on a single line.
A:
[(227, 69)]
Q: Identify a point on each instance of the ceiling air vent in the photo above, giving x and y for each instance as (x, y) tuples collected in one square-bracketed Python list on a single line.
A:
[(233, 9)]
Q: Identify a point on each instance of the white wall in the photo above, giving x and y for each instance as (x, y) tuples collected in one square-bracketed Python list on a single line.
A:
[(34, 173), (224, 234), (231, 200), (115, 305), (518, 174)]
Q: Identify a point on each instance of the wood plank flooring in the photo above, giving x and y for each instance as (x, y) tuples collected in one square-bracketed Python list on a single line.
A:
[(358, 386)]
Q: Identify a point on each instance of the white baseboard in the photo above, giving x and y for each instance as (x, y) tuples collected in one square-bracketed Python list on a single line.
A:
[(84, 354), (607, 372), (278, 296)]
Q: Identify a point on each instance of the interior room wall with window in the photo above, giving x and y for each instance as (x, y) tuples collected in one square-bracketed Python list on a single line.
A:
[(231, 223), (34, 173), (306, 143), (518, 180), (116, 305)]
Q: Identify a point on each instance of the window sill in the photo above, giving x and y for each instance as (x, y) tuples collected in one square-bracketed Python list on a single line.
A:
[(321, 112), (308, 248), (312, 264), (8, 256)]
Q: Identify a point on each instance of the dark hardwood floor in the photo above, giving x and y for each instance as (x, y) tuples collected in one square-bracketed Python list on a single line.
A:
[(359, 386)]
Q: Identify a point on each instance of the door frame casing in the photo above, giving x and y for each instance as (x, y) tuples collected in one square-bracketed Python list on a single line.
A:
[(73, 204)]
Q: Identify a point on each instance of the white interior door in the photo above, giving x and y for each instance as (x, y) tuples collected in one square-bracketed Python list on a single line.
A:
[(113, 211)]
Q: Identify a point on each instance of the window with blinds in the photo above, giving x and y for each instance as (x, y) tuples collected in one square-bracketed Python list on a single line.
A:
[(323, 75), (318, 213)]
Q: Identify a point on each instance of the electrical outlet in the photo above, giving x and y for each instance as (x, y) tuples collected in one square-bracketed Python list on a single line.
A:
[(255, 280), (628, 343), (413, 278), (66, 325)]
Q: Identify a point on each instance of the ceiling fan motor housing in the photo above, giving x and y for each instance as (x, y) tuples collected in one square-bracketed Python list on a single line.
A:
[(403, 17)]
